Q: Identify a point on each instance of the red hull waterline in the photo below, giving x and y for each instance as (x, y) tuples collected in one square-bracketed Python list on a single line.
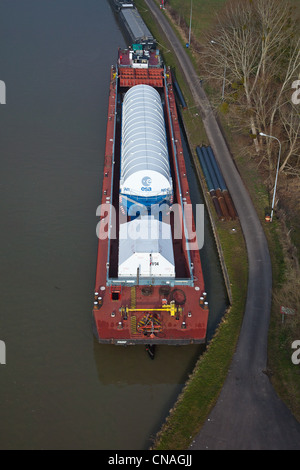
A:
[(146, 311)]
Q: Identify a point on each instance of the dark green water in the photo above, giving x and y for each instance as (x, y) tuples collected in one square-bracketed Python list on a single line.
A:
[(60, 389)]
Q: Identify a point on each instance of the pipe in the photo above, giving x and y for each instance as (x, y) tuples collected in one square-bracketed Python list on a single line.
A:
[(223, 207), (205, 169), (216, 169), (230, 205), (210, 168), (217, 206)]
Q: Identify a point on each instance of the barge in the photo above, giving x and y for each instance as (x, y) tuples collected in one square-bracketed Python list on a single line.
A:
[(118, 5), (149, 286)]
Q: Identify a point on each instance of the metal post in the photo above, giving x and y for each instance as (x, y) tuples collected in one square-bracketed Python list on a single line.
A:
[(190, 22), (224, 75)]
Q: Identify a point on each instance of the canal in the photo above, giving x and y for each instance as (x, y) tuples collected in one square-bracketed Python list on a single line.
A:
[(60, 389)]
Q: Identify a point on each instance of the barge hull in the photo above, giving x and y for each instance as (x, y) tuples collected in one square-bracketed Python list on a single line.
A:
[(146, 311)]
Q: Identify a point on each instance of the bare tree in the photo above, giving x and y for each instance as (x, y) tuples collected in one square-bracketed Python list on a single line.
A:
[(231, 56), (254, 51)]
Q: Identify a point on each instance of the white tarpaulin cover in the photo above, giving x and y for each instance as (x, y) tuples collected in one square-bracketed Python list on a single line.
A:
[(146, 243), (145, 168)]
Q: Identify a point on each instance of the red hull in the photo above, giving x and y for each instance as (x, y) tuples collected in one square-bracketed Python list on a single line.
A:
[(137, 313)]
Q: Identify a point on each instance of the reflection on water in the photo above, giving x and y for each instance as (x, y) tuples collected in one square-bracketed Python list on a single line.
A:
[(146, 389)]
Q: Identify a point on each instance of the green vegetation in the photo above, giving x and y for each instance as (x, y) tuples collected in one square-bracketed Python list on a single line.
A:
[(203, 13)]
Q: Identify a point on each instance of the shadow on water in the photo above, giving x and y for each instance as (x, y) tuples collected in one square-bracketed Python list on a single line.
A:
[(148, 387), (129, 365)]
